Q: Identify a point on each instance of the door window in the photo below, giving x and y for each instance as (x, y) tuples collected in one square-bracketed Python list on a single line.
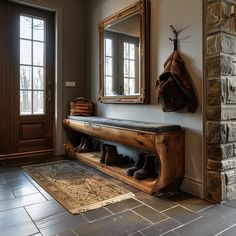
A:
[(32, 65)]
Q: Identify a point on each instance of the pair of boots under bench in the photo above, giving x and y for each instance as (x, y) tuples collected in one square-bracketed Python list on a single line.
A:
[(110, 156), (144, 168), (84, 146)]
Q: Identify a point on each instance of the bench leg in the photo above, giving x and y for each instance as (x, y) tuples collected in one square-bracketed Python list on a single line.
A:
[(170, 151)]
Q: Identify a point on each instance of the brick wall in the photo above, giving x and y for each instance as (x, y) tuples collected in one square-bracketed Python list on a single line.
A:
[(220, 58)]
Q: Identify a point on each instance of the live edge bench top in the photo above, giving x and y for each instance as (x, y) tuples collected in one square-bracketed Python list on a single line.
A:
[(128, 124)]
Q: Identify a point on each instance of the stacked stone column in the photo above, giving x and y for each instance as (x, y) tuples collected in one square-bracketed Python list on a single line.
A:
[(220, 59)]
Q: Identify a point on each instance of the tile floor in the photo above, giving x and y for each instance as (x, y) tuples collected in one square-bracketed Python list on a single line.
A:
[(26, 209)]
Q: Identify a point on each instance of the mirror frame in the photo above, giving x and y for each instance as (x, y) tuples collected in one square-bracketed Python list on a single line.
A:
[(143, 7)]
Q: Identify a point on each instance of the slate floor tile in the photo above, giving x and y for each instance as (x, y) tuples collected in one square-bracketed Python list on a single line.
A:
[(155, 202), (96, 214), (172, 233), (21, 182), (181, 214), (21, 201), (16, 222), (123, 205), (136, 234), (149, 213), (201, 227), (231, 203), (66, 233), (3, 171), (24, 190), (13, 175), (60, 222), (229, 232), (161, 227), (45, 209), (5, 193), (221, 214), (124, 185), (189, 201), (122, 224), (2, 181)]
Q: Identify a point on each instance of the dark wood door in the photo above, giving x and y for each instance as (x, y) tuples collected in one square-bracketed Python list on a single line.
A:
[(28, 79)]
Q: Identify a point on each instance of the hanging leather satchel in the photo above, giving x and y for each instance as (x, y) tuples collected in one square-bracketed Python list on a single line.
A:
[(174, 86), (170, 97)]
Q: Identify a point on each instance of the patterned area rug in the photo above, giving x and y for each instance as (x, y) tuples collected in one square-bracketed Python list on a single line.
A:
[(76, 188)]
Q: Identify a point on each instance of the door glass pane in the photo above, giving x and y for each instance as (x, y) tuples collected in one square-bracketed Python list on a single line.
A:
[(126, 68), (108, 85), (38, 29), (108, 66), (38, 102), (25, 27), (38, 78), (25, 52), (25, 102), (126, 50), (132, 51), (108, 47), (132, 69), (38, 53), (25, 77)]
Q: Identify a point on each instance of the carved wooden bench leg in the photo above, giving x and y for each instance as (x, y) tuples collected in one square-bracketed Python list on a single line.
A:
[(170, 149)]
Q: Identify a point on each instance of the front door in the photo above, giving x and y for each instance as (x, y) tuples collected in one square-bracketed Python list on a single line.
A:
[(30, 79)]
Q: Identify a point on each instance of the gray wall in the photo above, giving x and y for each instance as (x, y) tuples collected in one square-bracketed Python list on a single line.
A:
[(73, 49), (185, 15)]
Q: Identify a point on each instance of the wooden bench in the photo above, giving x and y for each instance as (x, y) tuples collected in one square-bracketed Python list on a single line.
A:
[(165, 140)]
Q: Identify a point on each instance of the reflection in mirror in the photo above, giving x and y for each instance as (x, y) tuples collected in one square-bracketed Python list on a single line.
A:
[(121, 57), (123, 50)]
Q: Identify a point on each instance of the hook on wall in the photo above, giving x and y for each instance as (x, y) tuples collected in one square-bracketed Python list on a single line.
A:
[(175, 40)]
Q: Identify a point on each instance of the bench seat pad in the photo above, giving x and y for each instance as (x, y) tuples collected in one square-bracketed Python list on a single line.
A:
[(128, 124)]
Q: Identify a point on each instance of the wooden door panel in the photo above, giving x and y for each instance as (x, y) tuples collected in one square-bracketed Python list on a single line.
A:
[(32, 131)]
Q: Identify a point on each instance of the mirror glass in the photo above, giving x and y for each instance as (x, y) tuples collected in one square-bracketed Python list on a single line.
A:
[(123, 49), (121, 57)]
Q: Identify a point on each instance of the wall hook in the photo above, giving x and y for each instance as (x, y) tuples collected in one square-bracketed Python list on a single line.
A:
[(175, 40)]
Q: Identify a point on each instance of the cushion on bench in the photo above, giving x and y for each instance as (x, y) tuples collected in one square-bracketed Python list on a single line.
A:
[(129, 124)]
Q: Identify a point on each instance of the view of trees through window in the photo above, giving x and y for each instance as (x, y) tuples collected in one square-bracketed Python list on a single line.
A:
[(120, 74), (32, 65)]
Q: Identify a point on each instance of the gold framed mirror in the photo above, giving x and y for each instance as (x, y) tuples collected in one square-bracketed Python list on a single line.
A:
[(124, 55)]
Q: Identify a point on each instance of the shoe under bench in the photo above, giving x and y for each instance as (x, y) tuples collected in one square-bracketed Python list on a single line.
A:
[(166, 141)]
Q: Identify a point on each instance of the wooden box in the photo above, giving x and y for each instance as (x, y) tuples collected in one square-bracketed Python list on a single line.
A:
[(81, 106)]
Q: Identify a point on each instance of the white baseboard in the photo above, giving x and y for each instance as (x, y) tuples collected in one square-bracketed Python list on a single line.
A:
[(192, 186)]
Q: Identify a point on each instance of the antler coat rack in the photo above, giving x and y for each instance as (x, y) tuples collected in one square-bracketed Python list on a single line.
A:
[(175, 39)]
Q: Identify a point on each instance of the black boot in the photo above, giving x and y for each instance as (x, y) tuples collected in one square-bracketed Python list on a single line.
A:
[(138, 164), (111, 155), (113, 158), (149, 168), (103, 153)]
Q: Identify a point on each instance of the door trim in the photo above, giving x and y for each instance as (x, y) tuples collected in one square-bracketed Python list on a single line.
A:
[(59, 110)]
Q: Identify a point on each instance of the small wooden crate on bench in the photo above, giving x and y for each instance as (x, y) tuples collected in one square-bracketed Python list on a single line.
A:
[(81, 106)]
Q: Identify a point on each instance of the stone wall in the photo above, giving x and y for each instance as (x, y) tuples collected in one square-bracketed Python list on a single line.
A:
[(220, 59)]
